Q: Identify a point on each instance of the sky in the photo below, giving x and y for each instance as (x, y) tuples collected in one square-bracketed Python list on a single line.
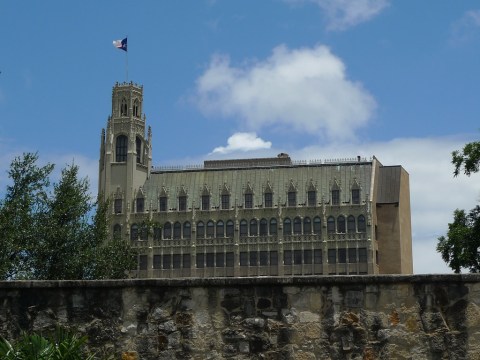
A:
[(317, 79)]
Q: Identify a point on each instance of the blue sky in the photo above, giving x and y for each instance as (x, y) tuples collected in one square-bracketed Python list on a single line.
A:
[(224, 79)]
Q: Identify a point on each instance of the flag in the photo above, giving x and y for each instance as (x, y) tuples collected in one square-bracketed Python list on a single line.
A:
[(120, 44)]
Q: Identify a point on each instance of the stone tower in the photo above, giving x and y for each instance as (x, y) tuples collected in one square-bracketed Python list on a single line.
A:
[(125, 149)]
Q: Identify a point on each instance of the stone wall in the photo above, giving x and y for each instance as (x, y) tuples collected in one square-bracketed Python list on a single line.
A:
[(330, 317)]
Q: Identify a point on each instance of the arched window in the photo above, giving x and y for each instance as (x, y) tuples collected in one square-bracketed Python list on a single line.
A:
[(140, 205), (253, 227), (273, 226), (117, 231), (362, 226), (317, 225), (287, 226), (230, 229), (134, 232), (243, 228), (135, 108), (167, 230), (200, 230), (351, 224), (138, 149), (124, 108), (177, 230), (210, 229), (263, 227), (341, 224), (307, 226), (220, 229), (331, 225), (297, 226), (187, 230), (121, 147)]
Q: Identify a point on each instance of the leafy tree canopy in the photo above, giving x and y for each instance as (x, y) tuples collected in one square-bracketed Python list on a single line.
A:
[(468, 159)]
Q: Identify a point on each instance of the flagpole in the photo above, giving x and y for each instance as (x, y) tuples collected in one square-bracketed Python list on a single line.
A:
[(126, 61)]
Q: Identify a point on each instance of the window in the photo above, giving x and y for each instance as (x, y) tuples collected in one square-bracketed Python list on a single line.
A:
[(177, 261), (351, 224), (287, 227), (307, 226), (311, 198), (287, 257), (163, 203), (210, 229), (362, 227), (243, 258), (138, 148), (355, 196), (157, 233), (166, 261), (135, 108), (140, 205), (297, 226), (248, 201), (142, 262), (220, 259), (273, 226), (186, 261), (229, 259), (177, 230), (253, 258), (362, 255), (335, 197), (134, 232), (317, 225), (121, 148), (268, 199), (200, 261), (200, 230), (341, 224), (317, 256), (263, 227), (225, 202), (124, 108), (331, 225), (263, 258), (253, 227), (117, 231), (187, 230), (220, 229), (182, 203), (273, 257), (205, 202), (307, 256), (230, 229), (157, 261), (144, 232), (342, 256), (352, 255), (243, 228), (118, 206), (332, 256), (167, 230), (210, 259), (297, 257), (292, 198)]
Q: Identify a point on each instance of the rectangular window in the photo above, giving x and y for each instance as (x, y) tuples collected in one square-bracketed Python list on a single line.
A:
[(210, 259), (297, 257), (292, 198), (177, 261), (355, 196), (220, 260), (140, 205), (362, 255), (225, 202), (229, 259), (182, 203), (186, 261), (157, 261), (342, 256), (335, 197), (167, 261), (243, 258), (205, 202), (332, 256), (287, 257), (200, 261), (312, 198), (263, 258), (268, 200), (273, 257), (352, 255), (253, 258), (317, 256), (307, 256), (118, 206), (248, 201), (163, 203), (142, 262)]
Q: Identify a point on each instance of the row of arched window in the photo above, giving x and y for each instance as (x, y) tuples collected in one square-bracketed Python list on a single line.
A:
[(254, 227)]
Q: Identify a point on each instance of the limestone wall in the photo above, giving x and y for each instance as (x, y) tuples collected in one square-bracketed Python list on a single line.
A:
[(336, 317)]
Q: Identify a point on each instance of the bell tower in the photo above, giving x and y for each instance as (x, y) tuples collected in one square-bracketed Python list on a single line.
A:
[(125, 148)]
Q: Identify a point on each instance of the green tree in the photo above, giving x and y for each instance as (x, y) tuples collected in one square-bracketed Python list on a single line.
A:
[(468, 158)]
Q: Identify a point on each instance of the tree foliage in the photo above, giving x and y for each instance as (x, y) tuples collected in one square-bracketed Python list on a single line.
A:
[(49, 233), (468, 159)]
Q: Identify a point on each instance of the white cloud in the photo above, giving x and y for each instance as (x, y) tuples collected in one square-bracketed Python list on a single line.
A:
[(305, 90), (343, 14), (466, 28), (242, 142)]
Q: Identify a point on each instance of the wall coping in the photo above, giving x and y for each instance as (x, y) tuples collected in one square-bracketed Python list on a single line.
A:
[(246, 281)]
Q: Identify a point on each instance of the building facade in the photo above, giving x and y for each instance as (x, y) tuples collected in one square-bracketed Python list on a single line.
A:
[(251, 217)]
